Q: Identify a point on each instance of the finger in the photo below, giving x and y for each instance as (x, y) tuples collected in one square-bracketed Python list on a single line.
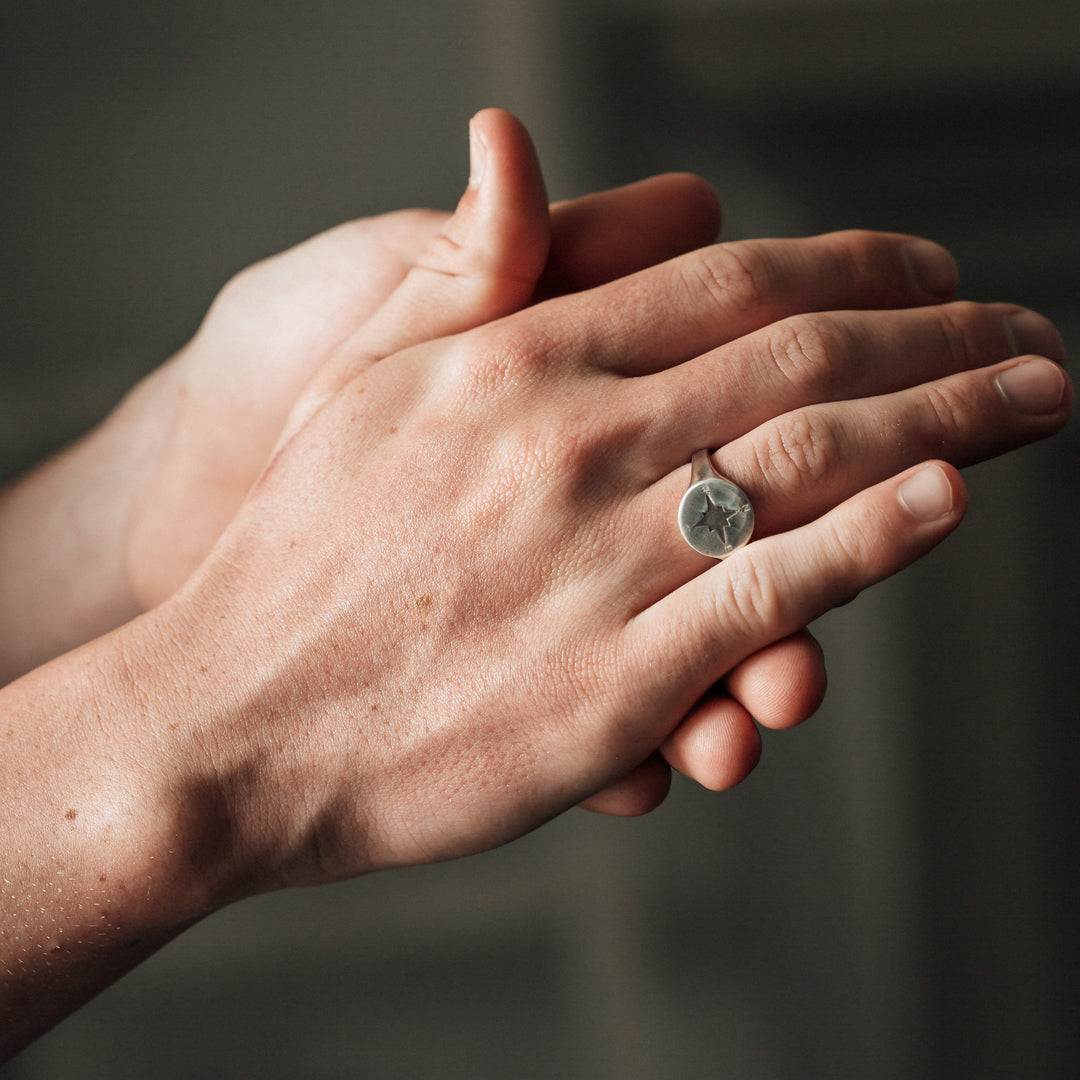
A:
[(607, 235), (638, 792), (783, 684), (801, 464), (670, 313), (718, 744), (839, 447), (829, 356), (779, 686), (797, 466), (486, 260), (775, 586), (484, 263)]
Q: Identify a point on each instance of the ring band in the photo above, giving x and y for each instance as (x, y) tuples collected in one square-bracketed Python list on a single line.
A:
[(715, 516)]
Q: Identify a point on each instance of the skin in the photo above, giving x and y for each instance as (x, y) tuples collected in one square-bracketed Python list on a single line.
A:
[(191, 439), (455, 603)]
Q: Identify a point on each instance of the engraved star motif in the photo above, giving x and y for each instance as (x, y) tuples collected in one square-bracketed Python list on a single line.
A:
[(717, 518)]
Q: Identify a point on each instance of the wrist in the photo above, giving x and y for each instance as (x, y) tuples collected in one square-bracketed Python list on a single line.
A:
[(115, 793), (104, 826), (64, 531), (176, 806), (223, 811)]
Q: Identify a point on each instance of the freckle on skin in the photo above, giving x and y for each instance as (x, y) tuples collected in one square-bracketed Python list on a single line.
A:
[(72, 814)]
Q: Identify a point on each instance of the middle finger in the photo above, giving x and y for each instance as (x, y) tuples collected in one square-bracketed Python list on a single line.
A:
[(833, 356)]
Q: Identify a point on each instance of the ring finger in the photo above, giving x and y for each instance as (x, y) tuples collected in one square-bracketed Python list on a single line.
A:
[(803, 463), (832, 356)]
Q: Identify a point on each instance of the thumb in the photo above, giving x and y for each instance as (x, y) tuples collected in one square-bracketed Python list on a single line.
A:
[(483, 264), (487, 259)]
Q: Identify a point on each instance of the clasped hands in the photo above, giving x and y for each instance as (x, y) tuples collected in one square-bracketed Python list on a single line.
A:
[(456, 602)]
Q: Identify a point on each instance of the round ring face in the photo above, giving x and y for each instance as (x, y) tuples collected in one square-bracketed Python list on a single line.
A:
[(715, 517)]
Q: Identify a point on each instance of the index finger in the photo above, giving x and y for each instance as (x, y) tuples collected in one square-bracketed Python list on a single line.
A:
[(607, 235), (671, 313)]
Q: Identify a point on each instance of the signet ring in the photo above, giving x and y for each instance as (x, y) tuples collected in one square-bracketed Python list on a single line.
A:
[(715, 516)]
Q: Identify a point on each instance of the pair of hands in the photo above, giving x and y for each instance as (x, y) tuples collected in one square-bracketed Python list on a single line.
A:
[(456, 601), (402, 521), (226, 396)]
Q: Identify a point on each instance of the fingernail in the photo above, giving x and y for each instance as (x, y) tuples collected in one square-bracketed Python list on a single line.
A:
[(932, 268), (927, 494), (1029, 332), (477, 156), (1033, 388)]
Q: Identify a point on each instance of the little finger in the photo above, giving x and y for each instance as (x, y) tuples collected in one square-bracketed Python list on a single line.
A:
[(783, 684), (718, 744), (778, 686), (800, 465), (680, 646)]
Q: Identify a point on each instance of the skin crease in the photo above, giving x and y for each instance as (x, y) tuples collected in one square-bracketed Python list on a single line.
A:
[(455, 602)]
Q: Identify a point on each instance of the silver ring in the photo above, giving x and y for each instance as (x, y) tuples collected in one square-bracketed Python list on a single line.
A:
[(715, 516)]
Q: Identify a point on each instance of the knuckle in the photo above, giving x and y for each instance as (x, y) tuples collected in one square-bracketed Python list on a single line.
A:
[(857, 252), (850, 553), (750, 594), (850, 550), (553, 449), (805, 352), (244, 286), (491, 360), (734, 275), (945, 405), (956, 323), (796, 448), (860, 245), (529, 426)]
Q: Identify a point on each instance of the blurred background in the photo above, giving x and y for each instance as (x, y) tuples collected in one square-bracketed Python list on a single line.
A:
[(893, 892)]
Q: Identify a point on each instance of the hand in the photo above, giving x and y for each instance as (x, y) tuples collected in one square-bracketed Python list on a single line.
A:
[(389, 281), (456, 602), (382, 284), (193, 437)]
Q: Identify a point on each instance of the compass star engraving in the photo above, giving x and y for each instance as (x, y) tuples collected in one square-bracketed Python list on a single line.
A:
[(718, 518), (715, 516)]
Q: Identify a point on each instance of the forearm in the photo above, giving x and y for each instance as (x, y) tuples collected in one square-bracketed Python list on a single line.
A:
[(106, 846), (63, 526)]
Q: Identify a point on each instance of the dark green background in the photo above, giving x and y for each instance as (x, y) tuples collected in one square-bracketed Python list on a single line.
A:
[(893, 893)]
